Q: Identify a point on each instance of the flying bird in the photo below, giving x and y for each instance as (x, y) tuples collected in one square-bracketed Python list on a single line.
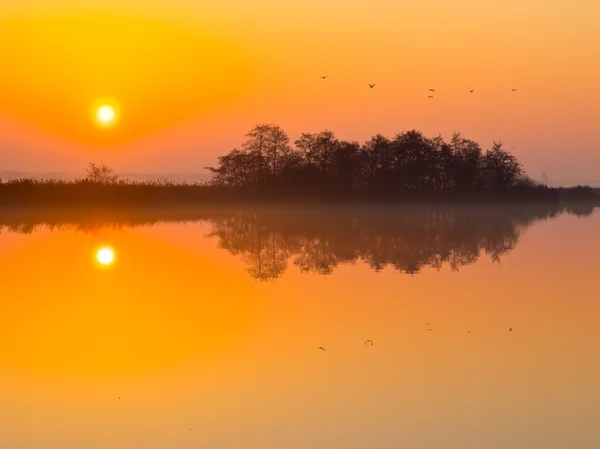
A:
[(321, 348), (431, 90), (323, 77), (431, 96), (371, 86), (369, 341), (514, 90), (510, 330), (429, 330), (472, 90)]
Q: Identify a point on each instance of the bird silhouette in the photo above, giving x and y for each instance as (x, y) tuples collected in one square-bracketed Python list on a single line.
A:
[(510, 330), (431, 90), (429, 330), (427, 324), (469, 332), (321, 348), (472, 90), (369, 342), (430, 96), (514, 90), (323, 77), (371, 86)]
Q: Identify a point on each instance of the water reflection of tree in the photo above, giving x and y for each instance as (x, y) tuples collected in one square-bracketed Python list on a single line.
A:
[(406, 239), (317, 240), (264, 250)]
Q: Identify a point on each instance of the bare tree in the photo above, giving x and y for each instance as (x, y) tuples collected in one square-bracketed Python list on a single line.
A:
[(256, 146), (101, 173), (277, 148)]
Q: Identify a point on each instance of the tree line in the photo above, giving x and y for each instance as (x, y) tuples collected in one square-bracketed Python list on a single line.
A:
[(408, 162), (317, 166)]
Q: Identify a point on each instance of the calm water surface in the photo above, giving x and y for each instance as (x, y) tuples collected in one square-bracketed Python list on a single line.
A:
[(205, 328)]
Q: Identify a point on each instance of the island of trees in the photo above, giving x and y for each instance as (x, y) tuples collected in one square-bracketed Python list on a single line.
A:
[(319, 166), (407, 162)]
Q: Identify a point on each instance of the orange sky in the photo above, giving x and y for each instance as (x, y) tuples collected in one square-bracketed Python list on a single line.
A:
[(192, 77)]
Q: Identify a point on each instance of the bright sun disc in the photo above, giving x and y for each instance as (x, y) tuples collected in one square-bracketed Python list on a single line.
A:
[(106, 115), (105, 256)]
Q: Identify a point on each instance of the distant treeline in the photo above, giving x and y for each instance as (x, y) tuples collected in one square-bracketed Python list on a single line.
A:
[(319, 166)]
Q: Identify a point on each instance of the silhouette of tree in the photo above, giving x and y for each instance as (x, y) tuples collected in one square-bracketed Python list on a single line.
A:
[(500, 169), (415, 156), (257, 147), (236, 169), (465, 163), (100, 173), (347, 161), (277, 149), (319, 149), (263, 156), (378, 171), (307, 144), (268, 144)]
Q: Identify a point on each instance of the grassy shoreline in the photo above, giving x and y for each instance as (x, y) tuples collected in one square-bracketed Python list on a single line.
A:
[(87, 205), (85, 193)]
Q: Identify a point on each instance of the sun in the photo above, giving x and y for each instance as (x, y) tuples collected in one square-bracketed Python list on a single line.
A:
[(106, 115), (105, 256), (106, 112)]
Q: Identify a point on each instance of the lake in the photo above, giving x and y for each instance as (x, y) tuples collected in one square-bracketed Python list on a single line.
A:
[(351, 327)]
